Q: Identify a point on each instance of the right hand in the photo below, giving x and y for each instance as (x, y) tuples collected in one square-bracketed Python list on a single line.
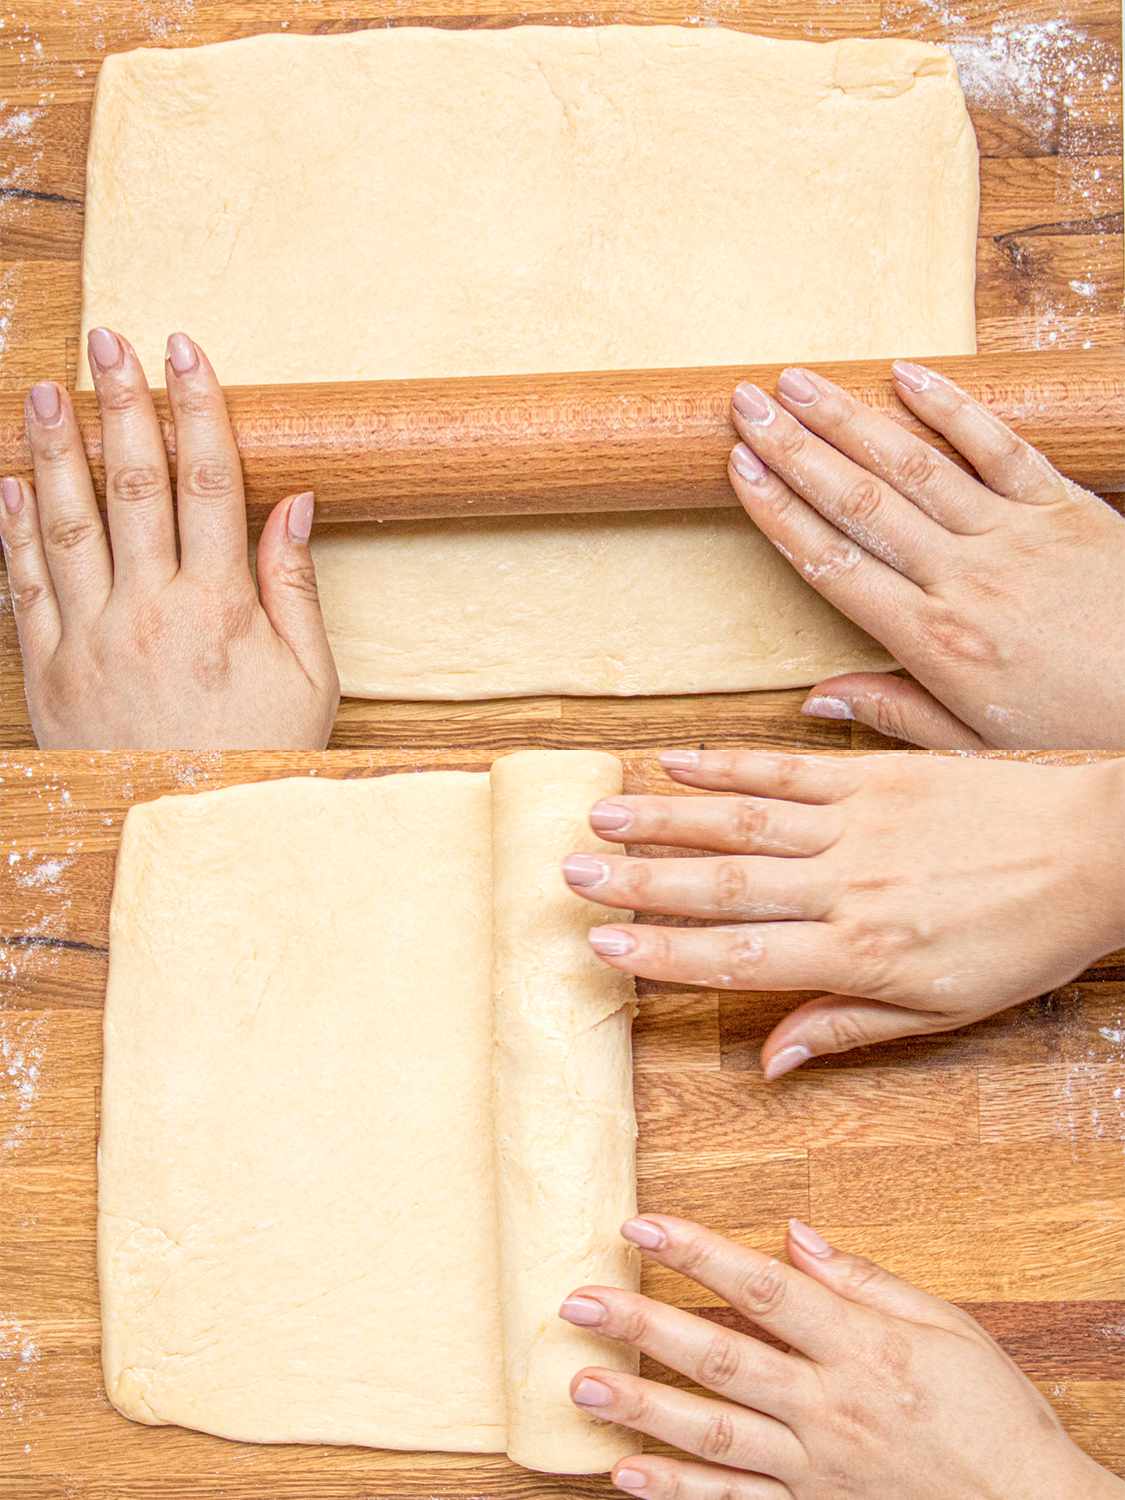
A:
[(155, 637), (922, 893), (1002, 595)]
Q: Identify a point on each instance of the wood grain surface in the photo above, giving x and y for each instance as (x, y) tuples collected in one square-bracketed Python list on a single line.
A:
[(606, 440), (1042, 79), (988, 1164)]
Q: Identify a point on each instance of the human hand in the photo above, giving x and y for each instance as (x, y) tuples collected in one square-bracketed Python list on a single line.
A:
[(1001, 595), (145, 646), (882, 1391), (922, 893)]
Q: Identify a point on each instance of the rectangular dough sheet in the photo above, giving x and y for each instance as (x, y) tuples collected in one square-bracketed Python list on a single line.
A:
[(366, 1115), (424, 202)]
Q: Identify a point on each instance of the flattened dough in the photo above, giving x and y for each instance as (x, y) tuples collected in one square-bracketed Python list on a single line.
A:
[(301, 1223), (532, 199)]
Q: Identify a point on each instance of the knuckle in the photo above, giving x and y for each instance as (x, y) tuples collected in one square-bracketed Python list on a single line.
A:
[(791, 440), (29, 597), (720, 1363), (747, 951), (861, 502), (843, 1032), (633, 878), (749, 821), (633, 1324), (193, 402), (49, 451), (69, 533), (717, 1440), (760, 1289), (832, 561), (731, 887), (631, 1403), (915, 469), (692, 1255), (120, 395), (212, 479), (299, 576), (956, 640), (137, 483)]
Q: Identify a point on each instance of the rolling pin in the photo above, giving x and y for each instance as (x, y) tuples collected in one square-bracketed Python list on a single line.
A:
[(396, 450)]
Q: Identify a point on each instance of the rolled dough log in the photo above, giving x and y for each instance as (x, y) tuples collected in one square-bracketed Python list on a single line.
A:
[(532, 199), (298, 1228)]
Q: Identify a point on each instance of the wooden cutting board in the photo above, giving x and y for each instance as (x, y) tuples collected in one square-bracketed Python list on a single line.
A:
[(987, 1165), (1043, 83)]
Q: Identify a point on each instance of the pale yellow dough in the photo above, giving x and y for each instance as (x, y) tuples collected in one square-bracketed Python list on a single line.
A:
[(421, 202), (317, 1223)]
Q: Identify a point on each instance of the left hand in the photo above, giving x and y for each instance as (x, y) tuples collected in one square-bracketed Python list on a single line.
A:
[(999, 591), (921, 892), (883, 1393)]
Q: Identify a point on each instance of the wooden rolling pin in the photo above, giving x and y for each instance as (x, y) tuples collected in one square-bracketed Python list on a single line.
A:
[(396, 450)]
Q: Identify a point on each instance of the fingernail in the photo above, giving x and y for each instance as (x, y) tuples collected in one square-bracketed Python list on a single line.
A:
[(914, 377), (46, 403), (645, 1233), (798, 387), (584, 870), (592, 1393), (300, 519), (753, 403), (182, 354), (630, 1479), (611, 942), (747, 463), (785, 1061), (827, 708), (610, 817), (584, 1311), (680, 760), (808, 1239), (12, 494), (105, 349)]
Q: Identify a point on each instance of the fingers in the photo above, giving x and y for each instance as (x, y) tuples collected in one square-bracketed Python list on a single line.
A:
[(729, 825), (73, 536), (894, 706), (34, 604), (868, 591), (788, 955), (861, 1281), (288, 590), (838, 1023), (714, 1430), (877, 518), (747, 888), (138, 490), (209, 498), (774, 1296), (761, 773), (1007, 464), (729, 1363), (879, 444), (653, 1478)]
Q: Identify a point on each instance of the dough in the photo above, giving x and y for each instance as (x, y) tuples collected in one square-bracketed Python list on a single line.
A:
[(301, 1224), (425, 202)]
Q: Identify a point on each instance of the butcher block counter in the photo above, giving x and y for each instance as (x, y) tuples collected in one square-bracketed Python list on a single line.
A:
[(987, 1165)]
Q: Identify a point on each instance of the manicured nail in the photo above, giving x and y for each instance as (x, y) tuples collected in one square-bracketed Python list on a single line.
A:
[(630, 1479), (610, 817), (645, 1233), (747, 463), (680, 760), (46, 403), (913, 377), (808, 1239), (182, 354), (611, 942), (584, 1311), (584, 870), (105, 349), (592, 1393), (12, 495), (300, 519), (798, 387), (753, 404), (785, 1061), (827, 708)]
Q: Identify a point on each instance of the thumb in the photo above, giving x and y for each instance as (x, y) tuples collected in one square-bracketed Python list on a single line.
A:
[(287, 585), (863, 1282), (837, 1023), (895, 706)]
